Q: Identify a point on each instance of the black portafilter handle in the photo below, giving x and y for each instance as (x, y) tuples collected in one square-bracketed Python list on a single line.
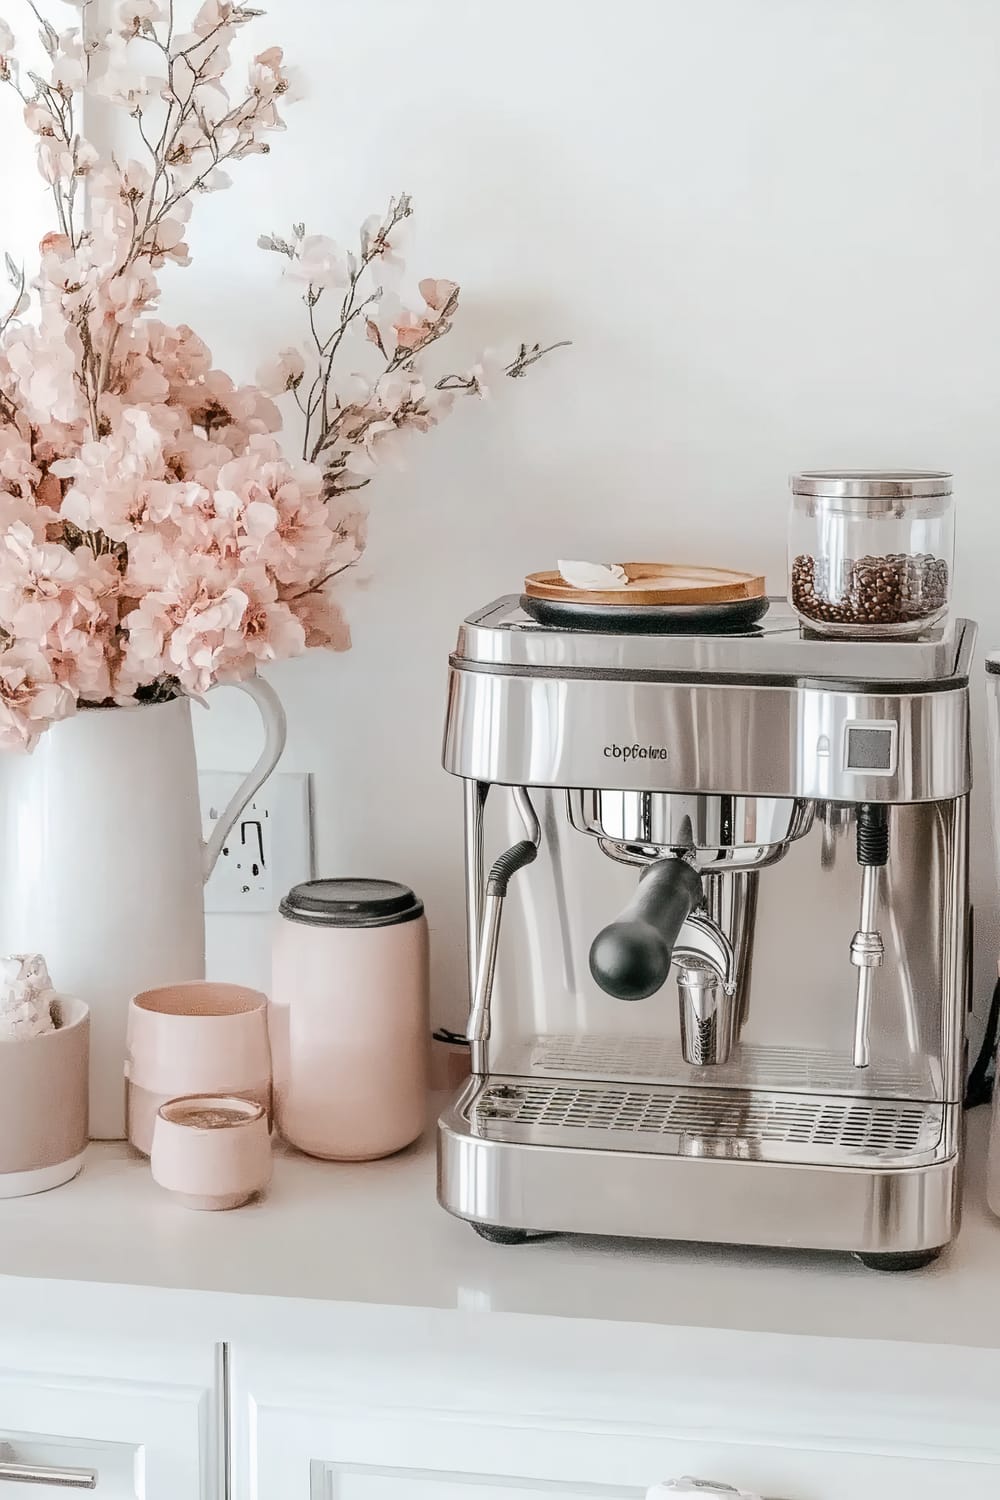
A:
[(631, 958)]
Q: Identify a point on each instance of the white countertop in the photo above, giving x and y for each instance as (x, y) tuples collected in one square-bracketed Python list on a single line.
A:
[(373, 1234)]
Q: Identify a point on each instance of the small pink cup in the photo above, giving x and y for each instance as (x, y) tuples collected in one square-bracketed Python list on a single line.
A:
[(195, 1038), (211, 1151)]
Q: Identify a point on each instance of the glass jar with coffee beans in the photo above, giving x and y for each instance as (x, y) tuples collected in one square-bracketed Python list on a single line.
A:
[(871, 552)]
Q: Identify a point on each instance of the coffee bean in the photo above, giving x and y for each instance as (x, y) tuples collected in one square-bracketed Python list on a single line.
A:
[(890, 590)]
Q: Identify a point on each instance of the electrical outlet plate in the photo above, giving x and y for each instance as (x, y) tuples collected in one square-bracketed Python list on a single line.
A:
[(270, 847)]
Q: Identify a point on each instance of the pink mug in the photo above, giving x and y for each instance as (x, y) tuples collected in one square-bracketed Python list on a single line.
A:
[(194, 1038), (211, 1152)]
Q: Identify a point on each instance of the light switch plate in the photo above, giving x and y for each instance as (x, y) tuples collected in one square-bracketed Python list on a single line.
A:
[(270, 847)]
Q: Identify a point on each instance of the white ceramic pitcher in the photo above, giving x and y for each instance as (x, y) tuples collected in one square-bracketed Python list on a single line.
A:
[(102, 863)]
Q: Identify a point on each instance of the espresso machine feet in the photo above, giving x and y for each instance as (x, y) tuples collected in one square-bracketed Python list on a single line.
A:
[(913, 1260), (494, 1234)]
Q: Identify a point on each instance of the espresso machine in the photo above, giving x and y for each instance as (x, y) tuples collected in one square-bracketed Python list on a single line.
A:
[(718, 931)]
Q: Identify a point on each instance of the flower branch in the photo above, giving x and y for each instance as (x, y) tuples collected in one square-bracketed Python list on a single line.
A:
[(154, 538)]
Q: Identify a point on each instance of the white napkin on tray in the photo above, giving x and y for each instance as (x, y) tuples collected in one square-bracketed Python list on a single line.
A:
[(588, 575)]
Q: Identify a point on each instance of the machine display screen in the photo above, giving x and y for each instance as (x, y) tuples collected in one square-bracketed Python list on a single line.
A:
[(869, 749)]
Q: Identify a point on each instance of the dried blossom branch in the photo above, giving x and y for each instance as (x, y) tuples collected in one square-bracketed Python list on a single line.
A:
[(348, 436), (153, 537)]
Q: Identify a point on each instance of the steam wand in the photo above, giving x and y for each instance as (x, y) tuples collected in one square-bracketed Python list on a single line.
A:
[(867, 947), (513, 859)]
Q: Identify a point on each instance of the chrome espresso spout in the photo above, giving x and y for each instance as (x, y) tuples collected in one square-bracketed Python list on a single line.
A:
[(703, 944), (706, 989)]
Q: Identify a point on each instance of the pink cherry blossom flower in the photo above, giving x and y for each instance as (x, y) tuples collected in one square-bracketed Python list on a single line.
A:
[(283, 521), (411, 329), (283, 373), (30, 697), (322, 619), (204, 635), (132, 291), (268, 631), (164, 240), (320, 262), (212, 15), (134, 14), (19, 476), (39, 118), (55, 161), (68, 65), (439, 294), (114, 185), (486, 374), (44, 361), (183, 630), (124, 80)]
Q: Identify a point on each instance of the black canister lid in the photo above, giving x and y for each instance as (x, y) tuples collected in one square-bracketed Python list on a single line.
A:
[(993, 663), (351, 903)]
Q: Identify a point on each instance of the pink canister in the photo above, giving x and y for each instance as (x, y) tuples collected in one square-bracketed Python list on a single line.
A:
[(349, 1018)]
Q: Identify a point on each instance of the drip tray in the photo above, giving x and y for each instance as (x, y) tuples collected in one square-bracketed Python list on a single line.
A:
[(752, 1125), (652, 1059)]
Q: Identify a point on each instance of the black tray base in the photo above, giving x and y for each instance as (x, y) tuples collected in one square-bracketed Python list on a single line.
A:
[(646, 619)]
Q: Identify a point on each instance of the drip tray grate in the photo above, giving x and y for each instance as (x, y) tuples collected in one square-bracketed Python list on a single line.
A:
[(742, 1124), (652, 1059)]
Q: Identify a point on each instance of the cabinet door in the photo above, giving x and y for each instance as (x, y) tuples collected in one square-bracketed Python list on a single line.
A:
[(333, 1440), (116, 1437), (382, 1457)]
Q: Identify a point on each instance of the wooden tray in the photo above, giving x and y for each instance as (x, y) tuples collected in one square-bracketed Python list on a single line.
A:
[(654, 584)]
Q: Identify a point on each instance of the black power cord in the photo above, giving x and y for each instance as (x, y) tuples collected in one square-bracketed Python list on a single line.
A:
[(979, 1089)]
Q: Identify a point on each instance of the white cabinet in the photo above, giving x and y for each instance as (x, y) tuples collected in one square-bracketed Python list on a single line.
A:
[(108, 1423), (400, 1425), (363, 1402), (340, 1455)]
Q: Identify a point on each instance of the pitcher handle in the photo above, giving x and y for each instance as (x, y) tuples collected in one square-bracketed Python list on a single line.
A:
[(275, 734)]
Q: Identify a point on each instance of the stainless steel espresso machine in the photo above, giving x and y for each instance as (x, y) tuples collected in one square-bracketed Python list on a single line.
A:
[(718, 924)]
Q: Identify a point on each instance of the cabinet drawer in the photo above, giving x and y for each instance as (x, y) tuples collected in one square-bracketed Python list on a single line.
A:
[(115, 1437), (428, 1408), (32, 1466), (800, 1476), (308, 1453)]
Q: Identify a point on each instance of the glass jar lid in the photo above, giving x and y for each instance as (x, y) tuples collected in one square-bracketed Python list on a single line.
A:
[(903, 493), (351, 903), (873, 484)]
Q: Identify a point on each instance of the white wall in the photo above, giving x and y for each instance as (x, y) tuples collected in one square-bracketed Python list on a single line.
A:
[(772, 229)]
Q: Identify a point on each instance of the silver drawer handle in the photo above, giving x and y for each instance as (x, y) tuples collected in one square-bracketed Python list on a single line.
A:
[(66, 1479)]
